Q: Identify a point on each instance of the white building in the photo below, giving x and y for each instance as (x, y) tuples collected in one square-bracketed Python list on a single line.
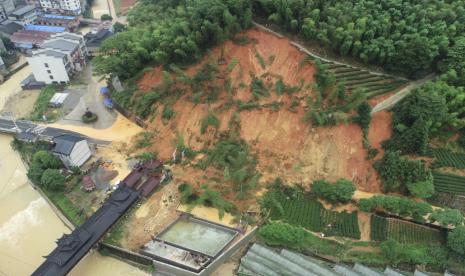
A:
[(74, 151), (66, 6), (23, 15), (58, 58)]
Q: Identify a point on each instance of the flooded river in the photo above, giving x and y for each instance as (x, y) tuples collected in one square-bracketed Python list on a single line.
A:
[(28, 226)]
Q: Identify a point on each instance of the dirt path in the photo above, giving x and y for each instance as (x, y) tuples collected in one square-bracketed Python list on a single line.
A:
[(122, 130), (364, 223), (391, 101)]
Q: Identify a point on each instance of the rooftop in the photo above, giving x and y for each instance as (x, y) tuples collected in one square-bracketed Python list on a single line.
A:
[(60, 44), (55, 16), (52, 53), (22, 10), (64, 144), (10, 27), (30, 37), (43, 28)]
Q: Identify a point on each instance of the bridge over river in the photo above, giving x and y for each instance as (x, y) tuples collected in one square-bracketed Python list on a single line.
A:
[(42, 132)]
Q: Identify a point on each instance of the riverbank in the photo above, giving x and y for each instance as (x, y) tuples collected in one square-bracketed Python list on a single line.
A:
[(29, 227)]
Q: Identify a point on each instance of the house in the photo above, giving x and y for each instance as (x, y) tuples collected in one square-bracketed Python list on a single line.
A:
[(93, 41), (70, 23), (23, 15), (25, 40), (8, 28), (59, 57), (73, 150), (62, 6)]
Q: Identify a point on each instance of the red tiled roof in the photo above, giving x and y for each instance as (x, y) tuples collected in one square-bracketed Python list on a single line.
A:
[(30, 37), (88, 183)]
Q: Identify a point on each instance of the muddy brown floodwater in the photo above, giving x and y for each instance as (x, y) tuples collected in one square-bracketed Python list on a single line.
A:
[(29, 227)]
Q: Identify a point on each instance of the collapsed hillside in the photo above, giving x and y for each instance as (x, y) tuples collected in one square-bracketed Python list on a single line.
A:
[(272, 124)]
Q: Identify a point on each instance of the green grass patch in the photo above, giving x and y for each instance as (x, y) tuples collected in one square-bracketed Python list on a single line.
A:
[(449, 183), (41, 104), (66, 206)]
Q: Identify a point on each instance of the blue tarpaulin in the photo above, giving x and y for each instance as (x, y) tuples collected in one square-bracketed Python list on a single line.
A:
[(55, 16), (108, 102), (104, 90), (43, 28)]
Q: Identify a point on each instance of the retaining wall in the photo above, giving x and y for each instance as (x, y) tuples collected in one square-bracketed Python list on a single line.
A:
[(170, 269)]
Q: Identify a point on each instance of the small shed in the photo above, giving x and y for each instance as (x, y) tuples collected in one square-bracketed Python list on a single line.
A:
[(57, 100), (73, 150), (87, 183)]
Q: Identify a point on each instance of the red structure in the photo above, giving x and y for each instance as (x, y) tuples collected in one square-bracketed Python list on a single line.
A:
[(133, 178), (149, 185)]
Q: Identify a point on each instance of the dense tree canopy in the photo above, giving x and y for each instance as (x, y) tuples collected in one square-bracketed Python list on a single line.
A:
[(404, 36), (456, 240), (162, 32), (339, 192)]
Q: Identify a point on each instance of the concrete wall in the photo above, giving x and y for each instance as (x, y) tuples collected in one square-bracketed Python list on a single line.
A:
[(55, 65), (173, 270)]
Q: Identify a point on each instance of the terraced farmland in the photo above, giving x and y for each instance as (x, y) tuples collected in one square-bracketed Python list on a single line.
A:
[(449, 183), (378, 228), (403, 231), (310, 214), (355, 78), (445, 158)]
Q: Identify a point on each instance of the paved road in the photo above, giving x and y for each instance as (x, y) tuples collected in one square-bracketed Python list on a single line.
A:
[(8, 126), (391, 101)]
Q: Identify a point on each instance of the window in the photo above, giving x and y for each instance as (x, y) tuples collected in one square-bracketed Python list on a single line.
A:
[(46, 65), (48, 71), (51, 77)]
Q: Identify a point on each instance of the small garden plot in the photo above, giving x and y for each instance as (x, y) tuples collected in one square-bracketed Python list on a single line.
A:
[(449, 183), (408, 232), (378, 228), (310, 214), (402, 231), (445, 158)]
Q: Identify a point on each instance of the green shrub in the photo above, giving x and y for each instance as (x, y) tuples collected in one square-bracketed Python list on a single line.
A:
[(413, 254), (421, 189), (209, 120), (339, 192), (396, 171), (167, 113), (456, 240), (277, 234), (52, 180), (89, 117), (144, 139), (397, 206), (41, 104), (447, 217)]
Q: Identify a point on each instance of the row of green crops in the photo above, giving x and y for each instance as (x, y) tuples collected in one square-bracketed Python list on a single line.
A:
[(402, 231), (408, 232), (378, 228), (355, 78), (310, 214), (445, 158), (449, 183)]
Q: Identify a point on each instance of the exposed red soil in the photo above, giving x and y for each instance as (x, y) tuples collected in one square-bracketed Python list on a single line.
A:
[(125, 5), (285, 145)]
